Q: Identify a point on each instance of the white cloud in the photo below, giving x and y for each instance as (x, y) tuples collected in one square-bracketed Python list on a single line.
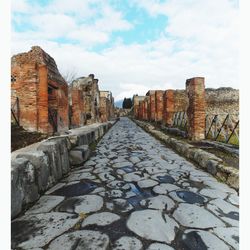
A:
[(201, 39)]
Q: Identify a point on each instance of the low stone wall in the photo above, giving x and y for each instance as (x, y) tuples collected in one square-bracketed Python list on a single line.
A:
[(36, 168), (207, 161)]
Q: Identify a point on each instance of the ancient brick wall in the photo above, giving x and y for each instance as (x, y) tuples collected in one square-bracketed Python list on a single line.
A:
[(180, 100), (88, 111), (136, 100), (158, 105), (41, 90)]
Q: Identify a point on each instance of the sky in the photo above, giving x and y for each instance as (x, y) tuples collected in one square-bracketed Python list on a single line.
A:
[(134, 45)]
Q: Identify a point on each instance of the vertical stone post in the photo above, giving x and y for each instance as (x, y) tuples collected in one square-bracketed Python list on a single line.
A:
[(146, 108), (168, 107), (195, 88), (158, 105)]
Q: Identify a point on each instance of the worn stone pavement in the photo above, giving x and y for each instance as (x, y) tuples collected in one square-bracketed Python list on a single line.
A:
[(135, 193)]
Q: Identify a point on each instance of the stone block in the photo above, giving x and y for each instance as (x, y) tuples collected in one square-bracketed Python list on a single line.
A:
[(79, 155), (52, 149), (212, 166), (23, 187), (40, 161)]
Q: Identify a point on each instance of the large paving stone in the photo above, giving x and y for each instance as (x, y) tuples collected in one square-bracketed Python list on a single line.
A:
[(159, 246), (36, 230), (79, 240), (81, 204), (101, 219), (160, 202), (152, 225), (45, 204), (120, 205), (147, 183), (229, 235), (122, 164), (134, 177), (128, 243), (213, 193), (225, 210), (190, 215), (165, 188), (202, 240)]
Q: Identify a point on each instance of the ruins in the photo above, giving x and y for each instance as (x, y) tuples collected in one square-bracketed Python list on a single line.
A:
[(195, 102), (42, 101), (40, 91)]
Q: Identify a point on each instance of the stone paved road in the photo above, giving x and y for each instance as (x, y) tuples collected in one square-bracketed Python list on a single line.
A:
[(133, 194)]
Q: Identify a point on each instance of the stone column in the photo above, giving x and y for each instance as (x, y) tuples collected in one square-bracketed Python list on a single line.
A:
[(195, 88), (168, 107), (158, 105)]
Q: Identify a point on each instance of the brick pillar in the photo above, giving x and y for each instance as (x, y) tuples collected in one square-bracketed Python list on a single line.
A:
[(140, 110), (43, 117), (146, 108), (152, 106), (168, 107), (195, 88), (158, 105)]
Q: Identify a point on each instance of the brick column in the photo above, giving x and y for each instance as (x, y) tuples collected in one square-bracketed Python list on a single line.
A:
[(195, 88), (43, 117), (158, 105), (152, 106), (168, 107)]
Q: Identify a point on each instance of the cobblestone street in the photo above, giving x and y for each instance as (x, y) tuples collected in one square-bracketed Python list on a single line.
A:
[(133, 193)]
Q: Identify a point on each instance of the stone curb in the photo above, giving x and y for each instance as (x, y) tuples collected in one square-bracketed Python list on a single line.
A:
[(206, 161), (38, 167)]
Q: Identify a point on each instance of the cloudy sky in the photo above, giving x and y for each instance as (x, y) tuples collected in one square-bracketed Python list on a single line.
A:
[(134, 45)]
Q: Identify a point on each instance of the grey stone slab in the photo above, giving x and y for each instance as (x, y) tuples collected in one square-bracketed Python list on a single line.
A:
[(106, 176), (199, 239), (36, 230), (128, 243), (190, 215), (160, 202), (159, 246), (233, 199), (165, 188), (220, 186), (122, 164), (118, 184), (134, 177), (225, 210), (57, 186), (134, 159), (100, 219), (229, 235), (213, 193), (147, 183), (152, 225), (89, 203), (45, 204), (84, 239)]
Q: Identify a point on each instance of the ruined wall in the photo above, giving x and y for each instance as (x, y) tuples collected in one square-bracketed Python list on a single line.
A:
[(89, 96), (222, 100), (180, 100), (151, 94), (41, 90), (136, 100)]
